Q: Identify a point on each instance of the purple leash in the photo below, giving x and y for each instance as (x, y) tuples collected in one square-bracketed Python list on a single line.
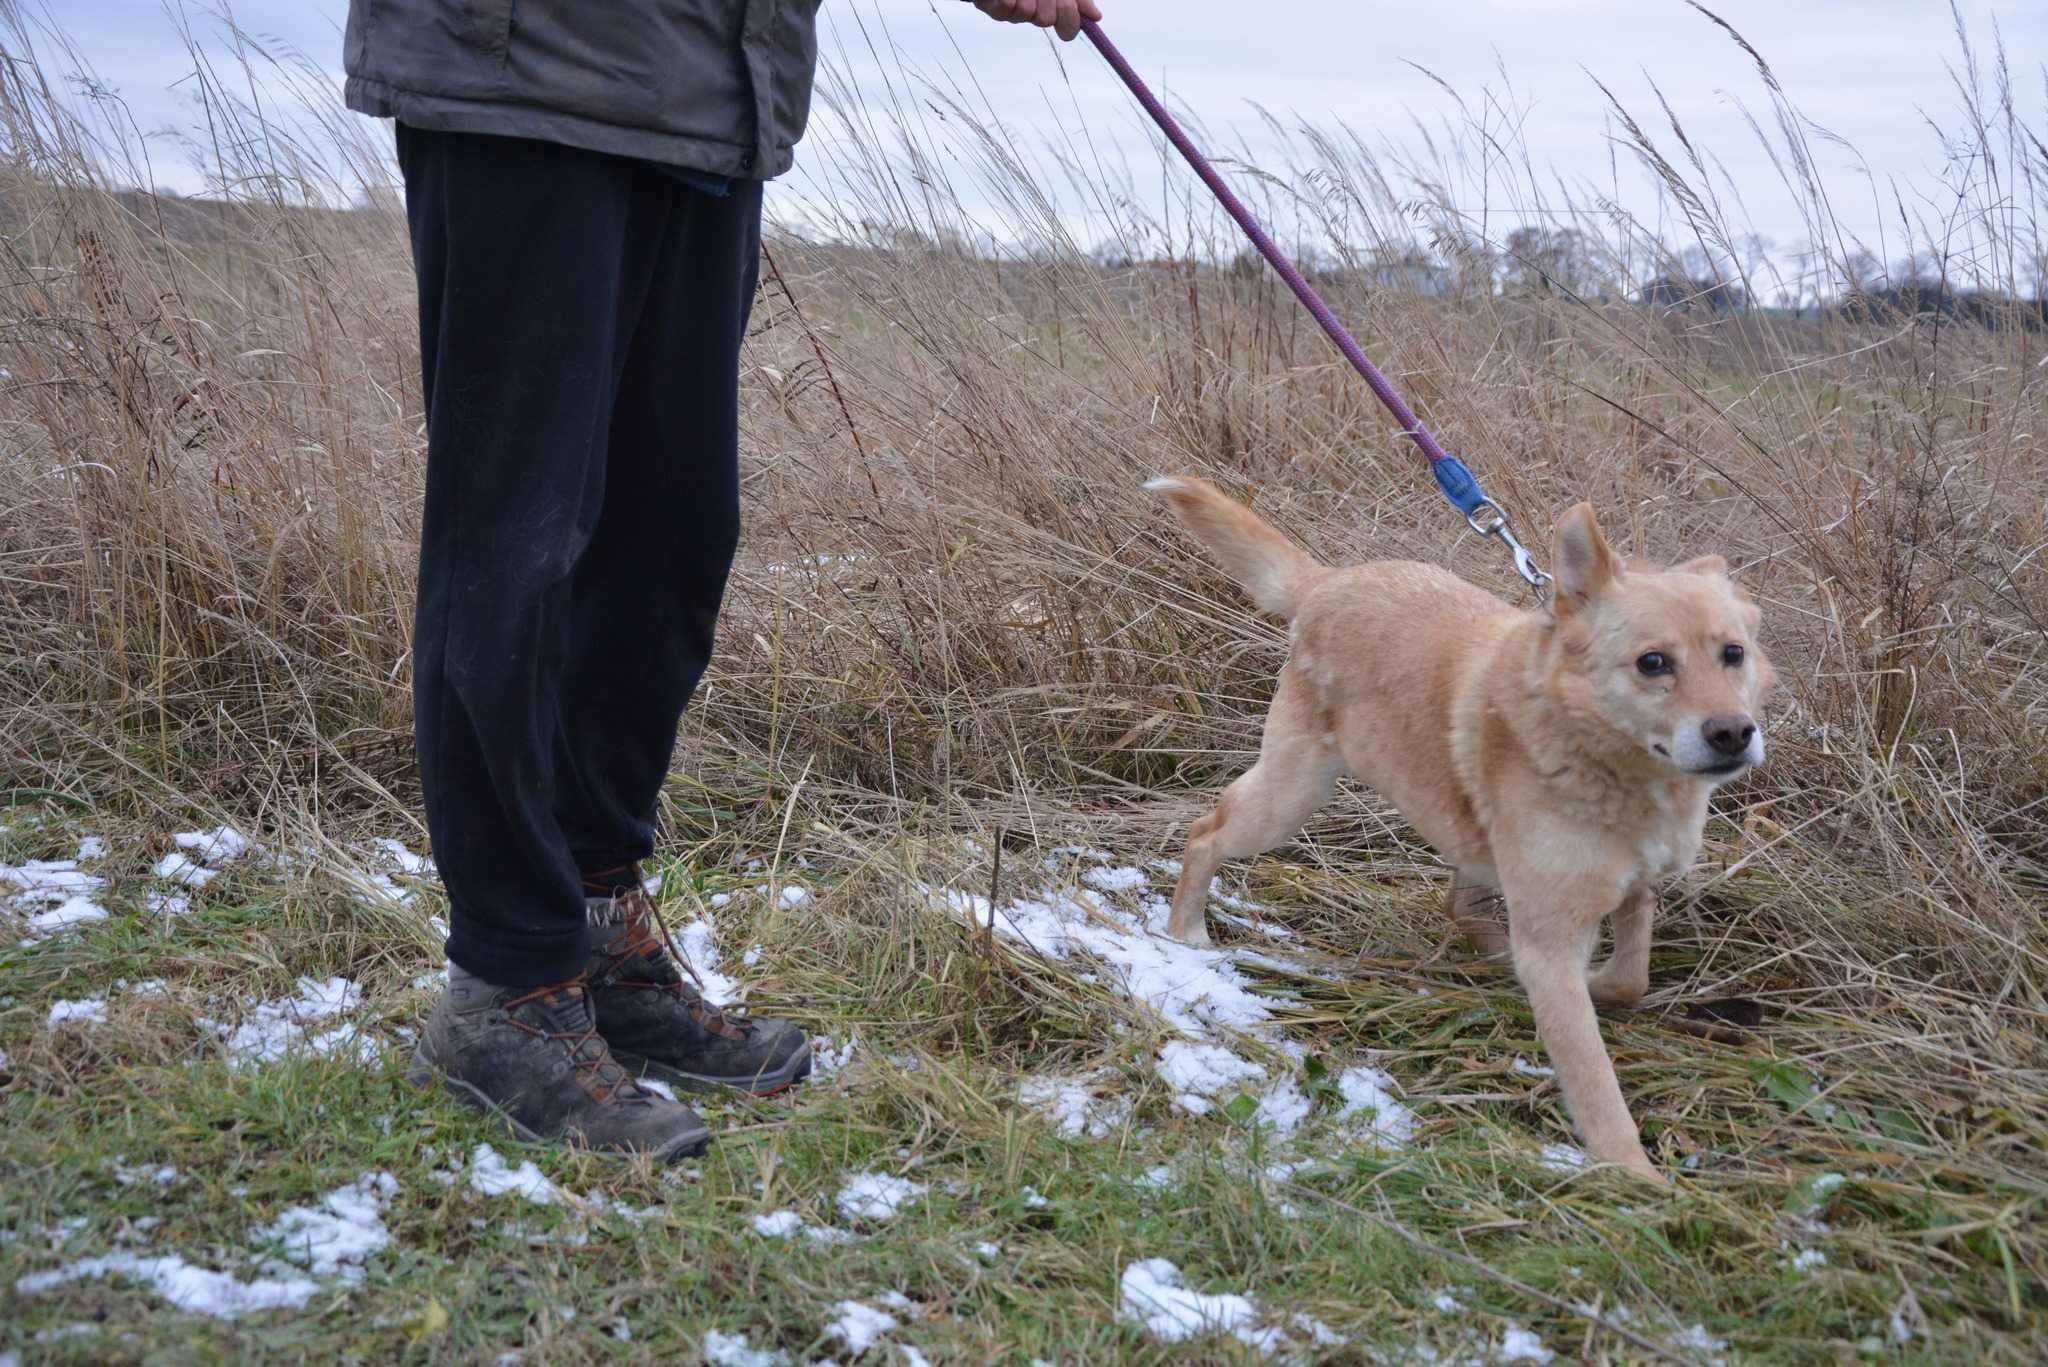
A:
[(1456, 482)]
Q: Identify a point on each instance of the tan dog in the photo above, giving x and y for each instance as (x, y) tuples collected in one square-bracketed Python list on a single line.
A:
[(1561, 759)]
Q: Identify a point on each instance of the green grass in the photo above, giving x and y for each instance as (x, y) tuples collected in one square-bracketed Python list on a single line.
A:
[(1935, 1225)]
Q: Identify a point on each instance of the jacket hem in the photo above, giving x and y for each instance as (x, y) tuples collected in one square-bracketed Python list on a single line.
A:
[(502, 118)]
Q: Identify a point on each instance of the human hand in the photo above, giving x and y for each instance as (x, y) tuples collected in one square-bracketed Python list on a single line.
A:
[(1062, 16)]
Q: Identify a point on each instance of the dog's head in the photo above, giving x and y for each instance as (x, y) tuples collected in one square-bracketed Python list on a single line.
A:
[(1665, 658)]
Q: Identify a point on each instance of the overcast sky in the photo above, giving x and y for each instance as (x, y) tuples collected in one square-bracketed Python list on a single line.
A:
[(1877, 73)]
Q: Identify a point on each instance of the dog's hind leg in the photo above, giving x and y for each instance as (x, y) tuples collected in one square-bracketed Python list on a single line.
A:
[(1625, 977), (1476, 910), (1298, 766)]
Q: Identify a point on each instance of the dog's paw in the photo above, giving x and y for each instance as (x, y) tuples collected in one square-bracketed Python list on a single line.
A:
[(1617, 989)]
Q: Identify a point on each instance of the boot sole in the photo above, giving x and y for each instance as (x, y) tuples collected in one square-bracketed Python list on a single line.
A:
[(793, 1070), (424, 1073)]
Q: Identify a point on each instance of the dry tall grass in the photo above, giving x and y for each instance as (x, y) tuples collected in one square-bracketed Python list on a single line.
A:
[(954, 610)]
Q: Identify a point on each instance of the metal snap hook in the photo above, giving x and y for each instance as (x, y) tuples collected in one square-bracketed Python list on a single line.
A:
[(1490, 519)]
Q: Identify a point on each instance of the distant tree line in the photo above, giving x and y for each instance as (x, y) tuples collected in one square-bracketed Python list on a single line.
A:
[(1536, 261)]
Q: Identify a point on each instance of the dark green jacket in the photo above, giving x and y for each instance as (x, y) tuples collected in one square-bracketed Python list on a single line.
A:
[(722, 86)]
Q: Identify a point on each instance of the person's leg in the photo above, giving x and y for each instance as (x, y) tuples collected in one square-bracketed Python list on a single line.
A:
[(533, 260), (645, 603), (646, 595)]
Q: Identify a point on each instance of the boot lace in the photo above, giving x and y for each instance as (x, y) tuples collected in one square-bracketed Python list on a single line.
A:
[(597, 1071), (641, 950)]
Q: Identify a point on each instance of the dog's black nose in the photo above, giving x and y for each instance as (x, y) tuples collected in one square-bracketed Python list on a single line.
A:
[(1728, 733)]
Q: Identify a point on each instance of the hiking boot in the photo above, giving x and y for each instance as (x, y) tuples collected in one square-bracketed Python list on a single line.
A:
[(659, 1024), (533, 1056)]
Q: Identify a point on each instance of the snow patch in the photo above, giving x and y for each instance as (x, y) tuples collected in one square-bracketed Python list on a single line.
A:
[(336, 1236), (179, 868), (1201, 993), (828, 1058), (330, 1239), (1318, 1333), (195, 1290), (1155, 1296), (858, 1326), (1282, 1107), (221, 845), (1694, 1338), (83, 1010), (402, 858), (721, 1349), (1199, 1071), (1068, 1105), (67, 893), (1194, 989), (1119, 879), (1562, 1158), (273, 1030), (69, 914), (491, 1175), (876, 1196), (698, 942), (48, 880), (1370, 1106), (787, 1224), (139, 1176), (1522, 1345)]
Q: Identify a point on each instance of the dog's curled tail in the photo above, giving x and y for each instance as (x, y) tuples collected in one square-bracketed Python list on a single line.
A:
[(1271, 568)]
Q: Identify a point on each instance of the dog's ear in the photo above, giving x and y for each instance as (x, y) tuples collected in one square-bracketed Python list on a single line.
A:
[(1711, 566), (1586, 564)]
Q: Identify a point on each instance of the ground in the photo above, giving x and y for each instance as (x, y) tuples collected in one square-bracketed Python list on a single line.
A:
[(1074, 1142)]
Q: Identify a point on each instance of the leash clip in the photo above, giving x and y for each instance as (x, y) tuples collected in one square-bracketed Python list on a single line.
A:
[(1486, 517), (1490, 519)]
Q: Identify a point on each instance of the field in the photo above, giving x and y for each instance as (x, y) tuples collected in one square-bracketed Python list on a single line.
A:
[(972, 688)]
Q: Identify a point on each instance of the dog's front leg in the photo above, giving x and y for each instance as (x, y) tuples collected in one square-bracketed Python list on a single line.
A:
[(1625, 977), (1550, 939)]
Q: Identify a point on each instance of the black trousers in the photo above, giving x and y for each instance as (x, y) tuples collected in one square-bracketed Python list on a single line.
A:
[(580, 327)]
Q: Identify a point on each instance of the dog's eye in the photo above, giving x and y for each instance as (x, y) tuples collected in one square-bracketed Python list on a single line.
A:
[(1653, 662), (1731, 655)]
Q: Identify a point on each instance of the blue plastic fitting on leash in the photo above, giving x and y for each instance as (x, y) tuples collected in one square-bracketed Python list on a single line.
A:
[(1458, 485)]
